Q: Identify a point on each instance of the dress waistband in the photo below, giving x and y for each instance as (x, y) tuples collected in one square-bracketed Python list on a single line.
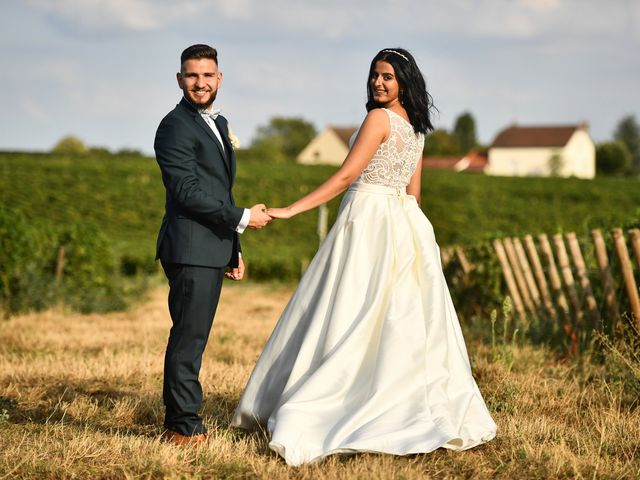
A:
[(379, 189)]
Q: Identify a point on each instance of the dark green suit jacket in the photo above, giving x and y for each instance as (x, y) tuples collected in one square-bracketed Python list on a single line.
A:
[(200, 218)]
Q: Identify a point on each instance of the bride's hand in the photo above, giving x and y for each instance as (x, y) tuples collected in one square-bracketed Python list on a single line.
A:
[(282, 213)]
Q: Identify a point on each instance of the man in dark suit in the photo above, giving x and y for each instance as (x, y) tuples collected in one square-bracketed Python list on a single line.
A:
[(199, 236)]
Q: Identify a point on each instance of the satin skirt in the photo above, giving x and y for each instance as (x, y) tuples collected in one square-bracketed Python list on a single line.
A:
[(368, 355)]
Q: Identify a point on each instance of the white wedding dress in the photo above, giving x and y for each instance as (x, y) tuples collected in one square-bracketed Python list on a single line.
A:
[(368, 355)]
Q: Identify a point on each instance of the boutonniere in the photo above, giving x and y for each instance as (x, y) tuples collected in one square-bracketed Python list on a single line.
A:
[(233, 140)]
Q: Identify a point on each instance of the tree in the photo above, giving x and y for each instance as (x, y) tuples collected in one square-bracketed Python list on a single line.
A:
[(129, 152), (464, 132), (613, 158), (628, 132), (440, 143), (70, 145), (284, 138), (556, 164)]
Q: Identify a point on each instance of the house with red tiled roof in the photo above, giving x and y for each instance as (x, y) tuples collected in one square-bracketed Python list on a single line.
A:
[(329, 147), (562, 151), (473, 161)]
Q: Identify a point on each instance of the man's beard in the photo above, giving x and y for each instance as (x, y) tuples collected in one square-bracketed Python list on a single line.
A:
[(203, 105)]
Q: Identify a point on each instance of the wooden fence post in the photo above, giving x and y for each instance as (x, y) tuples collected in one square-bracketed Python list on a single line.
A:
[(528, 276), (583, 276), (60, 264), (464, 262), (567, 276), (517, 271), (634, 235), (627, 273), (607, 280), (539, 273), (445, 255), (554, 276), (508, 276), (323, 218)]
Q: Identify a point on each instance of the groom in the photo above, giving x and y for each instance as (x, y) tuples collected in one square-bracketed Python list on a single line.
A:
[(199, 236)]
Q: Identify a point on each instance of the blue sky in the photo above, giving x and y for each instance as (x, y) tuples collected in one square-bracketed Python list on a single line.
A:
[(104, 70)]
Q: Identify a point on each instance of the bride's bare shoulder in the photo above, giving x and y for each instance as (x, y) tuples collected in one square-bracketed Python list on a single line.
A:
[(377, 120), (377, 115)]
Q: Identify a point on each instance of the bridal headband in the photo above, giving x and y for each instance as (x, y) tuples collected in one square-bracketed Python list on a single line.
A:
[(397, 53)]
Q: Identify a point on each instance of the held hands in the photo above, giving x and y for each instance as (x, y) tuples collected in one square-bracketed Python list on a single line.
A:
[(259, 216)]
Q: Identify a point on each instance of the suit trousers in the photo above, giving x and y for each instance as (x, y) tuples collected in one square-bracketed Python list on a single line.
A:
[(193, 298)]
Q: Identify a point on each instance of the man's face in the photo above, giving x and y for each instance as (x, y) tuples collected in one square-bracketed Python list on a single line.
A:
[(200, 79)]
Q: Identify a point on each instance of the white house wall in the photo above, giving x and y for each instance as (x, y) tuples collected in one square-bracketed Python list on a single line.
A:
[(326, 149), (520, 162), (577, 158), (580, 155)]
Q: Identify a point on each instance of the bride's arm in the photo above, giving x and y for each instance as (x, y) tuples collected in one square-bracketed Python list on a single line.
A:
[(375, 130), (416, 179)]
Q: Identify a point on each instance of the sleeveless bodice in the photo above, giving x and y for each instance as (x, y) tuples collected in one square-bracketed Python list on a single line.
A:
[(396, 158)]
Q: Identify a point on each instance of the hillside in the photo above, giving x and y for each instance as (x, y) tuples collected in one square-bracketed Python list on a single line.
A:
[(124, 197)]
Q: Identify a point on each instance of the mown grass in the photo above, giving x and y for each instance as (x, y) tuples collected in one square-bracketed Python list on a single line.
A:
[(124, 196), (80, 398)]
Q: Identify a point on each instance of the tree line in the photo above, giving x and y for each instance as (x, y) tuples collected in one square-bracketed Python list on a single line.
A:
[(283, 138)]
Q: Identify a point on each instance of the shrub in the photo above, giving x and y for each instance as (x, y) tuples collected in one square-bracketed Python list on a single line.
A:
[(89, 281), (70, 145), (28, 259), (612, 158)]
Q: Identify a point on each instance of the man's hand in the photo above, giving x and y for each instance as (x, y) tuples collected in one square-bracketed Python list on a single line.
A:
[(236, 273), (259, 217)]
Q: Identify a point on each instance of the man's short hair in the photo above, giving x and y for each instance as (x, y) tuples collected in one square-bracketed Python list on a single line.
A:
[(198, 51)]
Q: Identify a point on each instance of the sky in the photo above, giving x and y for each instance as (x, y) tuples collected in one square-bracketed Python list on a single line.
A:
[(104, 70)]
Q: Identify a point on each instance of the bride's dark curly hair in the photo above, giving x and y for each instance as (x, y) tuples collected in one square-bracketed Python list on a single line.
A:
[(413, 91)]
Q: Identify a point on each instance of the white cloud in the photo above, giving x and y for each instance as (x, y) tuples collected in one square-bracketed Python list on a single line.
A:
[(236, 9), (135, 15), (334, 19), (540, 5)]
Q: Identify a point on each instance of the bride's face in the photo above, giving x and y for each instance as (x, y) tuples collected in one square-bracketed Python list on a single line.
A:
[(384, 84)]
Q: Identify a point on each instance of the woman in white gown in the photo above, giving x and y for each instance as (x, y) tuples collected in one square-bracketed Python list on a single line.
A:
[(368, 355)]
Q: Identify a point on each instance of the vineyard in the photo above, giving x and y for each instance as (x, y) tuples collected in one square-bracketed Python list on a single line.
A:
[(107, 210)]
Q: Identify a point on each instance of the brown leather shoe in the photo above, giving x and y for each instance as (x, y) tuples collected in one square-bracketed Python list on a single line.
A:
[(179, 439)]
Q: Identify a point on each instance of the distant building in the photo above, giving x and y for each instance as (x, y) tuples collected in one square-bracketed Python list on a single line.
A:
[(543, 151), (329, 147), (471, 162)]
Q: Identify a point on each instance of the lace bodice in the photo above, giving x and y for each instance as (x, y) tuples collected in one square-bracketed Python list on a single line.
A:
[(396, 158)]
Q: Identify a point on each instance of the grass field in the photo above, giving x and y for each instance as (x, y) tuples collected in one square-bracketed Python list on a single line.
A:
[(80, 398), (125, 198)]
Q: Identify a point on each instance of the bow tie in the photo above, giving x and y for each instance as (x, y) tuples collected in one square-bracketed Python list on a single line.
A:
[(212, 114)]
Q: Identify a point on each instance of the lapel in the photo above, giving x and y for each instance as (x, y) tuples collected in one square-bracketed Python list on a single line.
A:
[(223, 128), (202, 124)]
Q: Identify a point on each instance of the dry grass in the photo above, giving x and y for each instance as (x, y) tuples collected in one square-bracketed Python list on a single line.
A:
[(80, 398)]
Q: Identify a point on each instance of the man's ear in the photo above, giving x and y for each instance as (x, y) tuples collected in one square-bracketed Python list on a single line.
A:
[(179, 79)]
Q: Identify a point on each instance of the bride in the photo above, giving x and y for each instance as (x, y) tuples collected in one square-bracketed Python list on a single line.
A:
[(368, 355)]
